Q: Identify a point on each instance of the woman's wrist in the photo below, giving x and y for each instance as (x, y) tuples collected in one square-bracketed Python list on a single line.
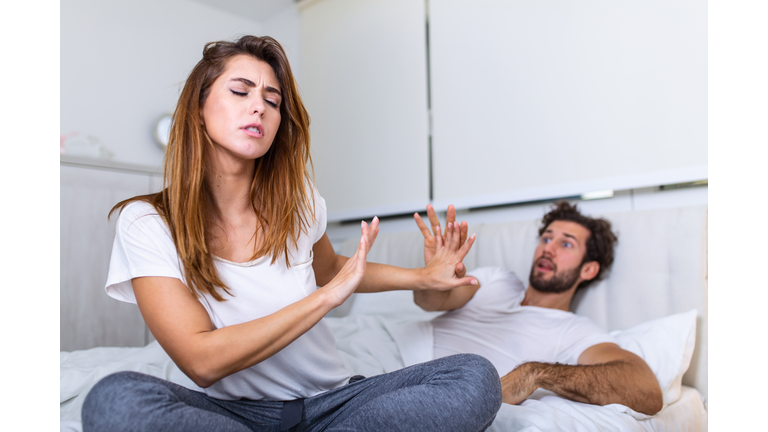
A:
[(422, 279), (327, 299)]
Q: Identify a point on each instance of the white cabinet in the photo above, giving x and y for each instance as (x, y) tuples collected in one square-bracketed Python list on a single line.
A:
[(536, 100), (364, 83), (528, 100), (89, 317)]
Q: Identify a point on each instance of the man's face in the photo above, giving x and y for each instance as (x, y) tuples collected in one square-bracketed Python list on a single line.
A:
[(557, 262)]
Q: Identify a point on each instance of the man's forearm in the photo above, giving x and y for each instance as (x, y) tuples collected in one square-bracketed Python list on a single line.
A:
[(619, 381), (430, 300)]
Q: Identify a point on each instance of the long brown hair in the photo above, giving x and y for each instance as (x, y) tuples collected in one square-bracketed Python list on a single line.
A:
[(281, 182)]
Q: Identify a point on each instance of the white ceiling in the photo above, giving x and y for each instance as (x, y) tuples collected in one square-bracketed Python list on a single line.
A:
[(257, 10)]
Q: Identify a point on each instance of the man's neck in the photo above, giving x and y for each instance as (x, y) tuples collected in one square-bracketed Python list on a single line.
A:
[(562, 301)]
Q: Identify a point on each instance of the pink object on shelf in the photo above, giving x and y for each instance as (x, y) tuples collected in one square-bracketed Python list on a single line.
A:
[(63, 140)]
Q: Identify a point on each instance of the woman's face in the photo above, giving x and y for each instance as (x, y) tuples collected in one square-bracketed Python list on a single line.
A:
[(242, 111)]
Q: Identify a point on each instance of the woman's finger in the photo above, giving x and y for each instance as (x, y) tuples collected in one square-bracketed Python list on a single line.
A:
[(374, 231), (448, 240), (359, 248), (464, 249), (464, 230), (363, 254)]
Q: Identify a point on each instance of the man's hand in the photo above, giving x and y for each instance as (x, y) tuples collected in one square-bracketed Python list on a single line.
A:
[(518, 385), (430, 237), (605, 374)]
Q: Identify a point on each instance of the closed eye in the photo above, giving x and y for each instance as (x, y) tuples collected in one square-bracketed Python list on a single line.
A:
[(239, 93), (271, 103)]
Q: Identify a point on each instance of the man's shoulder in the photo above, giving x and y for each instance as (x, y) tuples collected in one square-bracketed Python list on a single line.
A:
[(498, 286), (489, 274), (584, 325)]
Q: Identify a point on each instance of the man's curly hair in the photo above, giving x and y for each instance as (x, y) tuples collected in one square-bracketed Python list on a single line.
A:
[(601, 242)]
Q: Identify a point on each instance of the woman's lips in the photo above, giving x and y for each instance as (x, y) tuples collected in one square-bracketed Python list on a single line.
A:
[(253, 130)]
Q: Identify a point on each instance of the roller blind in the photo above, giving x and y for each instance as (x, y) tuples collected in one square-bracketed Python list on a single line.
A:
[(364, 82), (540, 99)]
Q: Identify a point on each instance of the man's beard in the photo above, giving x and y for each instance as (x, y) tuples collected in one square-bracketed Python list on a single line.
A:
[(557, 283)]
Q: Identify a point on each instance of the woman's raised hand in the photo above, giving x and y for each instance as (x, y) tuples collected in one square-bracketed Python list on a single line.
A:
[(450, 250), (430, 237), (350, 275)]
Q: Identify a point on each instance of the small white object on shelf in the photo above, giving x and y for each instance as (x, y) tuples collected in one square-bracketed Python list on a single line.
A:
[(84, 146)]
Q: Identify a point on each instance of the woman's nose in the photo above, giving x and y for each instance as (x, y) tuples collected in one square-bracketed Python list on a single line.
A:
[(257, 106)]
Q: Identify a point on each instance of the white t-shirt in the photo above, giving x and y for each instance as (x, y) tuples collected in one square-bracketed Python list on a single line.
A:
[(494, 325), (310, 365)]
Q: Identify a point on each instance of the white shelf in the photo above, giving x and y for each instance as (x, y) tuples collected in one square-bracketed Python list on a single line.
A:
[(108, 165)]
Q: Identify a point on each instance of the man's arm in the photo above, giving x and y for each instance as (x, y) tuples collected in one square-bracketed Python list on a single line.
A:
[(605, 374), (432, 301)]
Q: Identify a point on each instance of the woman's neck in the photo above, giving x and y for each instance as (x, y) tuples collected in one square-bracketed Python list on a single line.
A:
[(235, 231), (230, 185)]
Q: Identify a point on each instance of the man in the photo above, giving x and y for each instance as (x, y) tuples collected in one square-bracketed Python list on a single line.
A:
[(529, 334)]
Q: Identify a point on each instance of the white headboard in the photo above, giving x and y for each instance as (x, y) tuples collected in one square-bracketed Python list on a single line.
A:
[(660, 269)]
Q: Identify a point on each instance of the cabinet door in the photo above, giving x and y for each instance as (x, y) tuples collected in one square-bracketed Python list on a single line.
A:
[(542, 99), (364, 82), (89, 317)]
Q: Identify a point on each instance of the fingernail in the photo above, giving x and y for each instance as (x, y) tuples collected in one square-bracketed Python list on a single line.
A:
[(473, 282)]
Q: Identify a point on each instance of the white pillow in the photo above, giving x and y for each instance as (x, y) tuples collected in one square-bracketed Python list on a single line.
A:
[(666, 344)]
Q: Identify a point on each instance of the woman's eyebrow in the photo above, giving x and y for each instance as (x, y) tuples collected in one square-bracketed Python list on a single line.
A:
[(250, 83), (245, 81), (274, 90)]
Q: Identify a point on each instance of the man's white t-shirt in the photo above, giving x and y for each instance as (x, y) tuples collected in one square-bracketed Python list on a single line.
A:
[(494, 325), (310, 365)]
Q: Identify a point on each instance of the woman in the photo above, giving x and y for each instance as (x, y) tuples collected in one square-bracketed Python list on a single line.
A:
[(224, 265)]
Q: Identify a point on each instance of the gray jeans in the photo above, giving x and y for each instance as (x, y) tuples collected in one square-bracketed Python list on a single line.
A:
[(455, 393)]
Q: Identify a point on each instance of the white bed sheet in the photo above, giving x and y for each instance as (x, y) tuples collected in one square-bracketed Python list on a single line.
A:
[(372, 345)]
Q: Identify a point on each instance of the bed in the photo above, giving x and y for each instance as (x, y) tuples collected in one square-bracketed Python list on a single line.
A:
[(653, 301)]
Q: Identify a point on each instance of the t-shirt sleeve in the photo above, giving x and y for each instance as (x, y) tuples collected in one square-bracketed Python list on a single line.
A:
[(143, 246), (500, 290), (321, 217), (581, 334)]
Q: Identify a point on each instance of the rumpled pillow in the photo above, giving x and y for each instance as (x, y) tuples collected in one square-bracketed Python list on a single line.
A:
[(666, 344)]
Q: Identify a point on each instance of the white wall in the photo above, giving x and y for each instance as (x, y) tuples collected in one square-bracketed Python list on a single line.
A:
[(123, 64), (285, 26), (622, 201)]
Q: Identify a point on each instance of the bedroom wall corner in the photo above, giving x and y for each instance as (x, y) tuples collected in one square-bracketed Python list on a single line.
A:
[(122, 65)]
